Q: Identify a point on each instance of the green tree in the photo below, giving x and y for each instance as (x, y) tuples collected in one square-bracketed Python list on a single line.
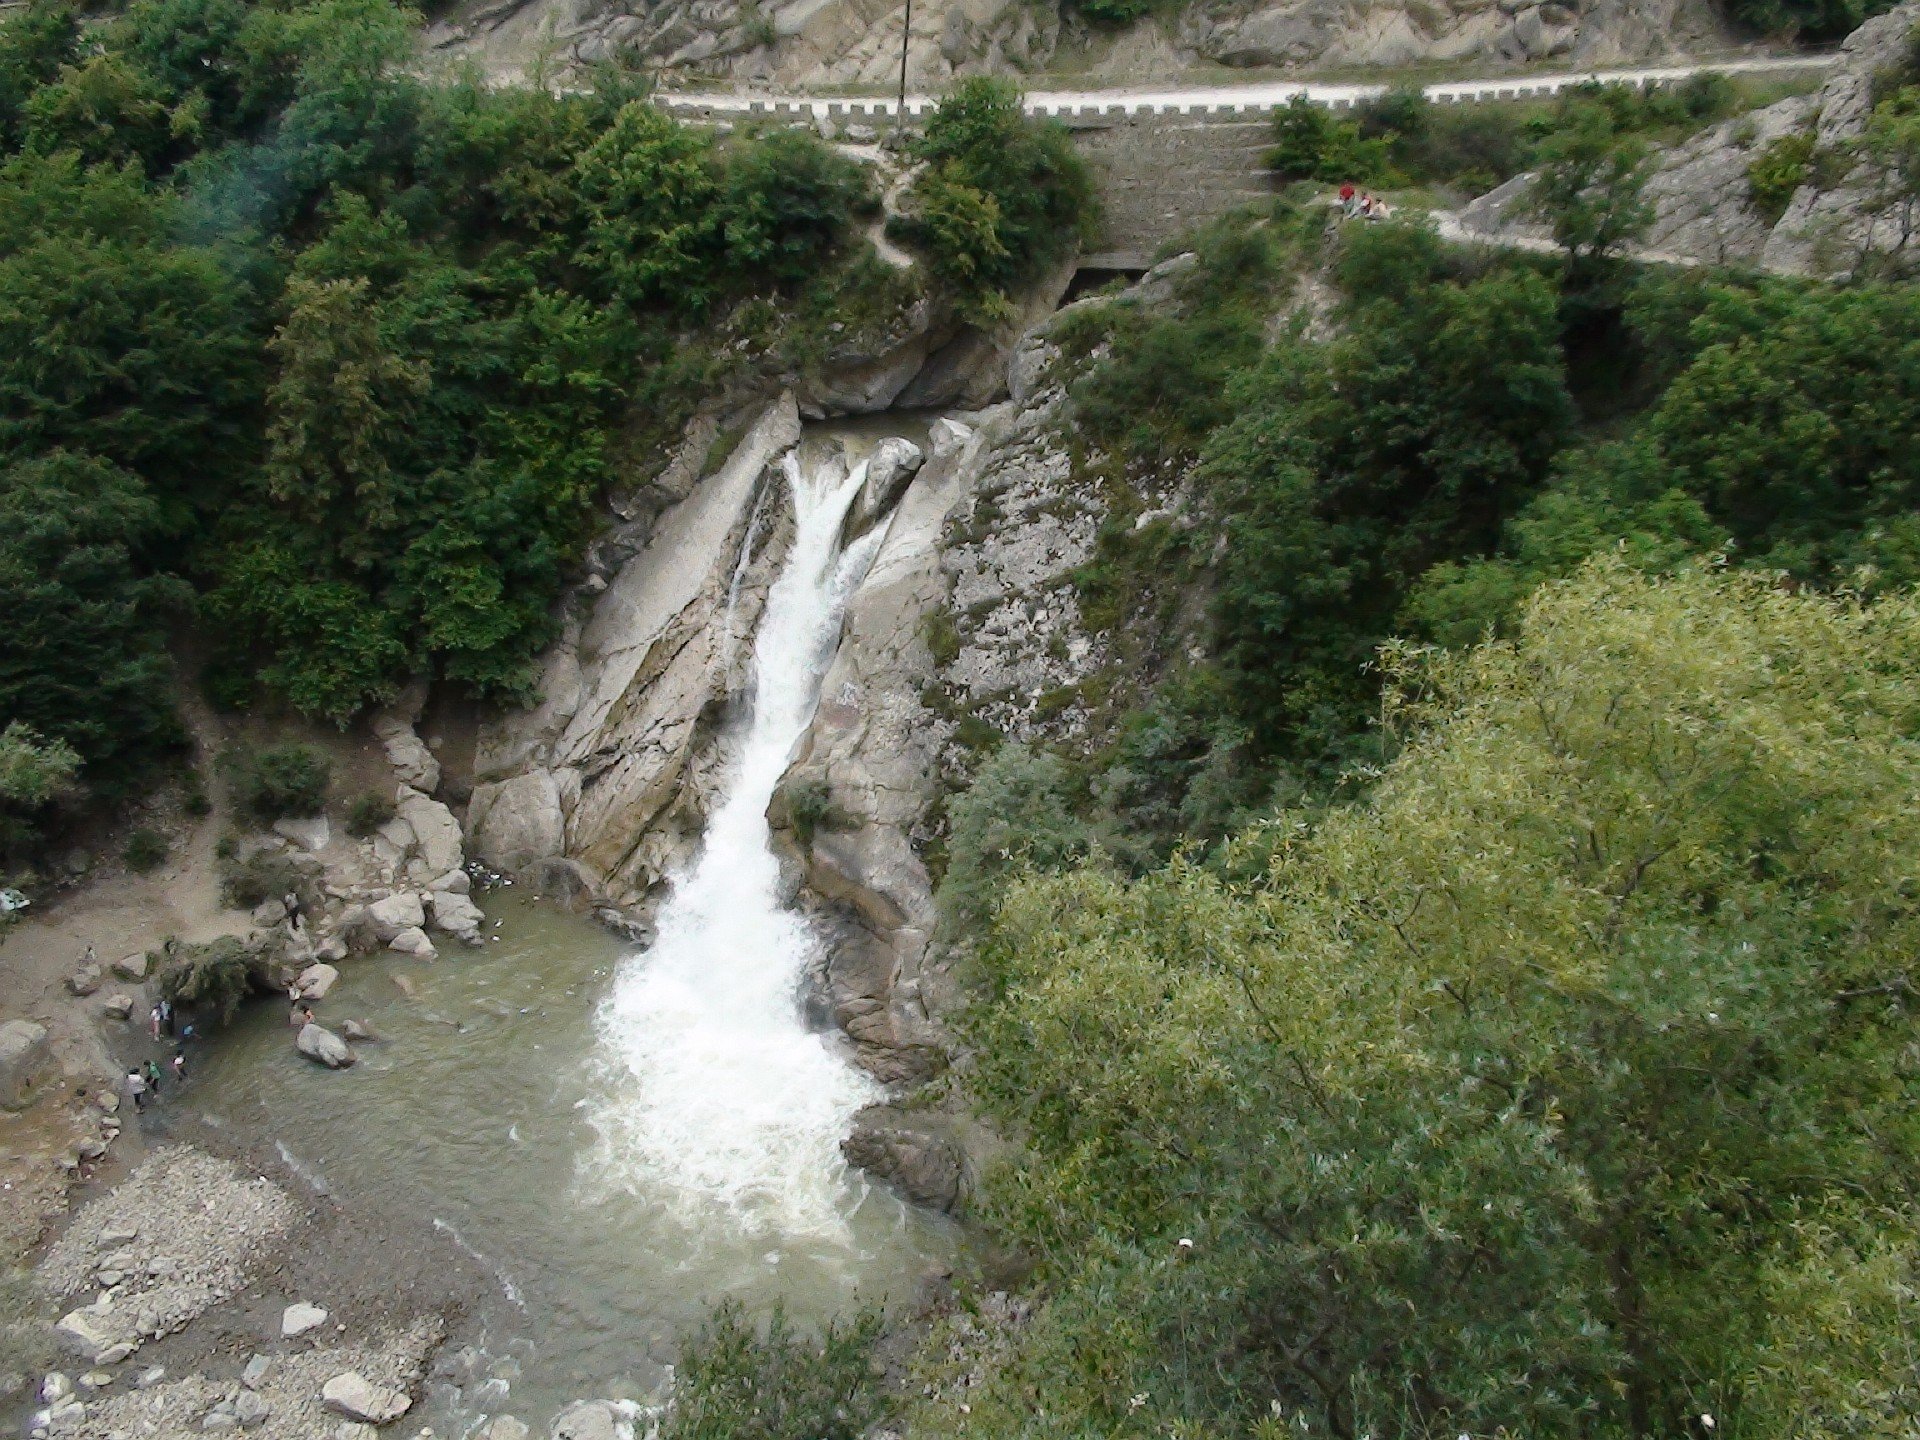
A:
[(1001, 197), (338, 413), (1351, 468), (1546, 1092), (83, 664), (1588, 188)]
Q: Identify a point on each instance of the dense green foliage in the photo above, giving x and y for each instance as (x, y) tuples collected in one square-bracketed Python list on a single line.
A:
[(284, 780), (999, 200), (1402, 138), (1354, 466), (739, 1381), (354, 354), (1560, 1088)]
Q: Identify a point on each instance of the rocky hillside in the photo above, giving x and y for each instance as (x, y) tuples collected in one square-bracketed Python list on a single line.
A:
[(857, 42), (1811, 185)]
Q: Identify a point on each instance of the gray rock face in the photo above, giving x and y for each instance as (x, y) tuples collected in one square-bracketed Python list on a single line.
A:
[(893, 463), (607, 771), (924, 1164), (320, 1044), (24, 1054), (1702, 196), (825, 42), (412, 761)]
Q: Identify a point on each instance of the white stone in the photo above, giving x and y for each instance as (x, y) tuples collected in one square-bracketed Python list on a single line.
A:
[(435, 830), (316, 980), (119, 1006), (297, 1319), (351, 1394), (456, 915), (586, 1420), (309, 834), (413, 941), (55, 1388), (456, 882), (318, 1043), (504, 1427), (85, 1333), (397, 912)]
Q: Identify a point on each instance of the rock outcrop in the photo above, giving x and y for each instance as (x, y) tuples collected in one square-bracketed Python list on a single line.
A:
[(607, 770), (798, 43), (24, 1055), (1704, 205)]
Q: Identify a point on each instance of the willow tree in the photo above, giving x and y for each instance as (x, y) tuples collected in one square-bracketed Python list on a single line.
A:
[(1562, 1088)]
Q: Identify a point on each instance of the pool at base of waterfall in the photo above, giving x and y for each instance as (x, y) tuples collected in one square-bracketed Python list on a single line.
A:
[(472, 1112)]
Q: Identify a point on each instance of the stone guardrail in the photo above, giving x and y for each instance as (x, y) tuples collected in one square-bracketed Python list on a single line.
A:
[(1217, 104)]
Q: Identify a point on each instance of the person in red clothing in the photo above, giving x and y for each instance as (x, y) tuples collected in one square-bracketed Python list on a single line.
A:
[(1346, 197)]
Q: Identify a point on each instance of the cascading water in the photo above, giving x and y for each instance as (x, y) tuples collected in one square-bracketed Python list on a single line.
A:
[(616, 1140), (718, 1101)]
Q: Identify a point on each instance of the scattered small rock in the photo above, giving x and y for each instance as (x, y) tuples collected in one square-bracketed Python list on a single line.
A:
[(149, 1377), (504, 1427), (251, 1409), (55, 1388), (258, 1366), (85, 980)]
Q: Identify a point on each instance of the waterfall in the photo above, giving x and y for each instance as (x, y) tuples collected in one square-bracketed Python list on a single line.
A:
[(716, 1099)]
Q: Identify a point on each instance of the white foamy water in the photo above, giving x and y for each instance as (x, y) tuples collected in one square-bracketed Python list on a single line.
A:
[(718, 1103)]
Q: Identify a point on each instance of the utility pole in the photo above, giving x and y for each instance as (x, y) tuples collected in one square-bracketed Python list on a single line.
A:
[(906, 34)]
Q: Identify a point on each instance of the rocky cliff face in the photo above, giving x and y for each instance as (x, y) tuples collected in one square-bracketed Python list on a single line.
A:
[(1705, 208), (601, 787), (799, 43)]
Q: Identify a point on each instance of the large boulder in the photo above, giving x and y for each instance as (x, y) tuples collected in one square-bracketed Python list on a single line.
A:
[(412, 941), (586, 1420), (132, 967), (320, 1044), (23, 1057), (456, 915), (316, 980), (892, 465), (85, 980), (514, 822), (353, 1395), (436, 832), (925, 1165), (397, 912)]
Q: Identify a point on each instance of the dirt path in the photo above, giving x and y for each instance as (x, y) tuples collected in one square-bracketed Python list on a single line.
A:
[(119, 913)]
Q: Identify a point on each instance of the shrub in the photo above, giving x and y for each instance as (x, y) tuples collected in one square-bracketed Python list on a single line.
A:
[(811, 809), (214, 977), (1017, 815), (734, 1381), (286, 780), (263, 875), (1000, 199), (1779, 170), (1310, 144), (146, 848), (369, 812)]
